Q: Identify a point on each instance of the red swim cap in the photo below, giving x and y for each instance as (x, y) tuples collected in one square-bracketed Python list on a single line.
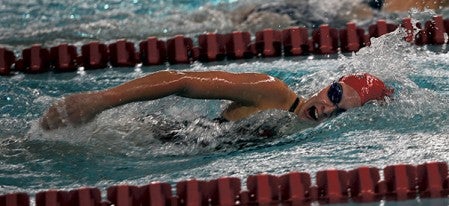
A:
[(367, 86)]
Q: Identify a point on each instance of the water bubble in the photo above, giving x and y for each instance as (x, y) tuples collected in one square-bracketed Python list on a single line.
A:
[(36, 92)]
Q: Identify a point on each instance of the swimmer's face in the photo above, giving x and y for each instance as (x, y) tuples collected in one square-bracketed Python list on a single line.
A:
[(330, 101)]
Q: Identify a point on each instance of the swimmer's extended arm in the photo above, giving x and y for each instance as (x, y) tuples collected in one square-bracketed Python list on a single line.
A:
[(247, 89)]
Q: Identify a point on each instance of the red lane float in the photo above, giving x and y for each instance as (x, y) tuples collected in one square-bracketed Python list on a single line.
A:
[(332, 186), (190, 192), (433, 180), (380, 28), (352, 38), (15, 199), (7, 58), (295, 188), (215, 47), (400, 182), (435, 30), (295, 41), (211, 47), (363, 182), (408, 27), (79, 197), (122, 54), (263, 189), (421, 37), (325, 40), (52, 197), (157, 194), (85, 196), (34, 60), (63, 58), (237, 45), (269, 43), (94, 55), (152, 51), (124, 195), (179, 49), (224, 191)]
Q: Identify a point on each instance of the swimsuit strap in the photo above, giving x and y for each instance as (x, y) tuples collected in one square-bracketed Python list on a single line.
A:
[(221, 119), (294, 105)]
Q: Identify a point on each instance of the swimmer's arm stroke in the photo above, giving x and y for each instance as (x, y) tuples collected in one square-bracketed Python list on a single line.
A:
[(246, 89)]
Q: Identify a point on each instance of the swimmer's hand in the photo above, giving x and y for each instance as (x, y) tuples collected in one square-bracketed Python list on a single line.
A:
[(73, 110)]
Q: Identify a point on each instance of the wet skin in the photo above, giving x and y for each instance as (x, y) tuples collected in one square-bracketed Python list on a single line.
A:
[(249, 93)]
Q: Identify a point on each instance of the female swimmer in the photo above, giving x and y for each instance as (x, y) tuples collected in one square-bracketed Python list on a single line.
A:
[(249, 92)]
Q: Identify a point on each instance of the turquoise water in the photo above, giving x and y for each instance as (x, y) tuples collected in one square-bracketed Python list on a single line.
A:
[(122, 146)]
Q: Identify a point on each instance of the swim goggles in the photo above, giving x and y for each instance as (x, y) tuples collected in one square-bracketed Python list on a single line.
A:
[(335, 94)]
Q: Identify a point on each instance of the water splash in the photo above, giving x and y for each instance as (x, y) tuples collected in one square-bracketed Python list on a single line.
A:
[(193, 131), (124, 144)]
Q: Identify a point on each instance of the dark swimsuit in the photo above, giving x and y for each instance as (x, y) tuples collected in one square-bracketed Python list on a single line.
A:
[(221, 119), (166, 133)]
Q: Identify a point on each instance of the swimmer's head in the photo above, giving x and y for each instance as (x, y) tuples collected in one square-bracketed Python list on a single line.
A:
[(348, 92), (367, 86)]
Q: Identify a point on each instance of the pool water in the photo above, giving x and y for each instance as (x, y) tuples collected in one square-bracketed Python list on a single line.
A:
[(123, 145)]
